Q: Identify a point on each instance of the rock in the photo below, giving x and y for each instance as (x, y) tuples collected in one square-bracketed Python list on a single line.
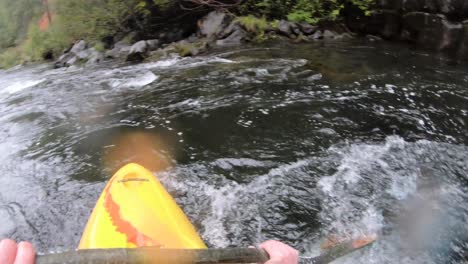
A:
[(386, 23), (455, 9), (137, 51), (301, 38), (317, 35), (307, 29), (234, 34), (171, 35), (373, 38), (82, 55), (431, 31), (327, 34), (153, 44), (344, 36), (79, 47), (296, 29), (185, 48), (120, 50), (463, 49), (235, 38), (213, 24), (285, 28), (94, 57)]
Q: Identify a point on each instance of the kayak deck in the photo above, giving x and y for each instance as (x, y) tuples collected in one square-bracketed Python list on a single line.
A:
[(135, 210)]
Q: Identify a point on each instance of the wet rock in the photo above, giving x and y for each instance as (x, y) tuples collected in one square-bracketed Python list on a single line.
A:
[(307, 29), (344, 36), (140, 50), (463, 49), (79, 54), (79, 47), (237, 36), (317, 35), (213, 24), (386, 23), (373, 38), (185, 48), (94, 57), (296, 29), (431, 31), (153, 44), (285, 28), (137, 51), (327, 34), (120, 50), (456, 9)]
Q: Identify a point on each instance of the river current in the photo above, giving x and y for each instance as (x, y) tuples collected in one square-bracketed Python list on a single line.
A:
[(296, 142)]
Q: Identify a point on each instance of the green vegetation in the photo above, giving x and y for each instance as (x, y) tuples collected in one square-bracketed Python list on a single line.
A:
[(258, 26), (310, 11), (15, 17)]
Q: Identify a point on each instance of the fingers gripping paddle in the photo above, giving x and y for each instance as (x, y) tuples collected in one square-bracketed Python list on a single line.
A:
[(149, 255)]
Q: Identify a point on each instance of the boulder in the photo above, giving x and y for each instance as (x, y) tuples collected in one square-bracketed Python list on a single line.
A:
[(285, 28), (455, 9), (153, 44), (213, 24), (317, 35), (463, 49), (79, 47), (386, 23), (327, 34), (120, 50), (236, 37), (94, 57), (431, 31), (139, 50), (307, 29)]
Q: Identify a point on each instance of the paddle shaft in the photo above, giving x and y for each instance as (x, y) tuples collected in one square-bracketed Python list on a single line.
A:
[(149, 255)]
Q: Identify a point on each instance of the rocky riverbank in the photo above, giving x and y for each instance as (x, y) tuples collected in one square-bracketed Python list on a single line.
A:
[(437, 25), (217, 29)]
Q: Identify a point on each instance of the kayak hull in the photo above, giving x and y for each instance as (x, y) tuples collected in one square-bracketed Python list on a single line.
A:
[(135, 210)]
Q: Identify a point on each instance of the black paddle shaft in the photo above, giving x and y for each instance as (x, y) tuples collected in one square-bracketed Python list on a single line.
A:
[(149, 255)]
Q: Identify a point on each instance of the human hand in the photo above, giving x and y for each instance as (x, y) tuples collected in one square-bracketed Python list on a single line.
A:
[(280, 253), (12, 253)]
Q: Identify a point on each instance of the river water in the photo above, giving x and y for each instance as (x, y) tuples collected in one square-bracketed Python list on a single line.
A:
[(290, 142)]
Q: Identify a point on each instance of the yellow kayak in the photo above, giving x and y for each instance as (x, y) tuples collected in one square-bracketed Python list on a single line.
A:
[(135, 210)]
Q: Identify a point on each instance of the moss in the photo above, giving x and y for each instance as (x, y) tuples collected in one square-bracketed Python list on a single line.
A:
[(253, 24), (99, 46), (257, 26)]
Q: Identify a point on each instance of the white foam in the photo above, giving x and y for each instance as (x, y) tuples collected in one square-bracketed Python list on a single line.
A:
[(21, 85), (141, 80)]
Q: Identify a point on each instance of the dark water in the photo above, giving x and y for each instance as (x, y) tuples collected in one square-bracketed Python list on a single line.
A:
[(291, 142)]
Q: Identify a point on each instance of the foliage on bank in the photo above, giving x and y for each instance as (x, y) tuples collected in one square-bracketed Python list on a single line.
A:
[(100, 20)]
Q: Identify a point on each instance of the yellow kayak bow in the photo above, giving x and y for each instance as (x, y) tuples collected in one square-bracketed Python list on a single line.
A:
[(135, 210)]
